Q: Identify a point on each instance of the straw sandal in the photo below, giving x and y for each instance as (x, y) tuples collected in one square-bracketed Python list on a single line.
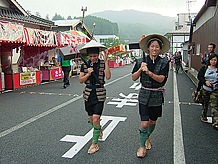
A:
[(93, 148), (141, 152)]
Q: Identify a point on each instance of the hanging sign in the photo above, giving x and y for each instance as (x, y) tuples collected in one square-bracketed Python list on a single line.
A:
[(11, 32)]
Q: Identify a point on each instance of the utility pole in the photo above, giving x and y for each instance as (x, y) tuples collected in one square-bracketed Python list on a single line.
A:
[(94, 25), (189, 13), (83, 10)]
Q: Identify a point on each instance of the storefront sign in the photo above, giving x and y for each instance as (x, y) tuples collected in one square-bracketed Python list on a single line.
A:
[(56, 73), (38, 37), (11, 32), (68, 39), (27, 78), (117, 48)]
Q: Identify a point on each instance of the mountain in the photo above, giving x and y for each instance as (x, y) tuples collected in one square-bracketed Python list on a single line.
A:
[(133, 24)]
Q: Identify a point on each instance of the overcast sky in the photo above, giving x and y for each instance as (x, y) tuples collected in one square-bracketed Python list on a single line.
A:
[(73, 7)]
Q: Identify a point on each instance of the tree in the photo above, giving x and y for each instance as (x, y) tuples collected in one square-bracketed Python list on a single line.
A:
[(113, 42), (29, 12), (57, 17), (47, 17), (69, 18), (38, 14)]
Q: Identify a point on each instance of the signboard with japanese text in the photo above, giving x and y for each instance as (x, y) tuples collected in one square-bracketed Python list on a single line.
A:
[(38, 37), (67, 39), (11, 32), (27, 78), (56, 73)]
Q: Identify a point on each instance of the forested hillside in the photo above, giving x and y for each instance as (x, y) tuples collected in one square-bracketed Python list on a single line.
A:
[(103, 26), (132, 24)]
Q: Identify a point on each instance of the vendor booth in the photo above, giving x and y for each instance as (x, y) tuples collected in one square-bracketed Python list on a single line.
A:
[(40, 53), (11, 40), (118, 56), (22, 49)]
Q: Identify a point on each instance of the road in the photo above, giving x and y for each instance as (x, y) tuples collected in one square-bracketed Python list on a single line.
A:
[(47, 124)]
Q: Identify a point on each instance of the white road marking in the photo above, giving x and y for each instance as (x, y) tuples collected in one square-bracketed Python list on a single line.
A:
[(136, 86), (18, 126), (14, 128), (179, 155), (81, 141), (130, 100)]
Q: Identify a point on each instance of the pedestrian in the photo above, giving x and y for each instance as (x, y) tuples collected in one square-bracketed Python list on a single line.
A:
[(178, 61), (171, 62), (93, 73), (211, 50), (204, 58), (180, 56), (153, 72), (66, 67), (208, 76)]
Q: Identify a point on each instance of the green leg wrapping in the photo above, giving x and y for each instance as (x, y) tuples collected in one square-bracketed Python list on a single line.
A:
[(96, 134), (150, 129), (143, 136)]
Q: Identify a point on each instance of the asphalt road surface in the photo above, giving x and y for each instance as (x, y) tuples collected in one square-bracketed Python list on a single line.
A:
[(47, 124)]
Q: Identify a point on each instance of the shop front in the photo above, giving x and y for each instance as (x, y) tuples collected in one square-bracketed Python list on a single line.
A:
[(118, 56), (40, 54), (11, 40)]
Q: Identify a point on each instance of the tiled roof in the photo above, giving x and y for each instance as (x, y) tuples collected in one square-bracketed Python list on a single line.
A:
[(18, 16)]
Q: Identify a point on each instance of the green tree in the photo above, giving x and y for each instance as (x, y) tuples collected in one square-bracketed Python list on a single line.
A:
[(38, 14), (47, 17), (69, 18), (113, 42), (57, 17), (29, 12), (103, 26)]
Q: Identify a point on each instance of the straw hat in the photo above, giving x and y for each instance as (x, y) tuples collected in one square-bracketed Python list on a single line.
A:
[(143, 42), (92, 44)]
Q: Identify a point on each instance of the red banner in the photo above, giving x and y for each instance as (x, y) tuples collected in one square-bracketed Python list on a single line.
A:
[(115, 49), (67, 39)]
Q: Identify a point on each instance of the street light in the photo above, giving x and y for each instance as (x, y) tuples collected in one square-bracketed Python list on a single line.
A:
[(94, 25)]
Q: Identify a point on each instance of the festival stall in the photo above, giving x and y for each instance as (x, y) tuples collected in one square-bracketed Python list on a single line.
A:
[(116, 56), (11, 41), (34, 55)]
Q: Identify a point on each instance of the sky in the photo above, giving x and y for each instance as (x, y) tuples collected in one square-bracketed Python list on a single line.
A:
[(72, 8)]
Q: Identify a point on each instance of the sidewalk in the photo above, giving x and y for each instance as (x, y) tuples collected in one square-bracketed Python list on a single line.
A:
[(192, 74)]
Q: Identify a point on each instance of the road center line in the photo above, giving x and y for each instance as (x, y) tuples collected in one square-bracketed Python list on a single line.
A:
[(179, 155), (35, 118)]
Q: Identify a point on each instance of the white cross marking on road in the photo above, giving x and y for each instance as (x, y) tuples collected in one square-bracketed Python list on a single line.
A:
[(136, 86), (81, 141), (130, 100)]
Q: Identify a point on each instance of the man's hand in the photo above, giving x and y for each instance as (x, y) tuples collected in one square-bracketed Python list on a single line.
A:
[(90, 70), (144, 67)]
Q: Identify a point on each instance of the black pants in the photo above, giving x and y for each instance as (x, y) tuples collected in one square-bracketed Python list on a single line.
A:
[(66, 70)]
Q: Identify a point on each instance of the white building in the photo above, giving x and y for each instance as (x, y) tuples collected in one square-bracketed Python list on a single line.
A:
[(102, 38)]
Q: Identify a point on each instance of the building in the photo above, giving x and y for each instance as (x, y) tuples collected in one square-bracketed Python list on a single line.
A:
[(103, 38), (203, 31), (181, 31), (74, 24)]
